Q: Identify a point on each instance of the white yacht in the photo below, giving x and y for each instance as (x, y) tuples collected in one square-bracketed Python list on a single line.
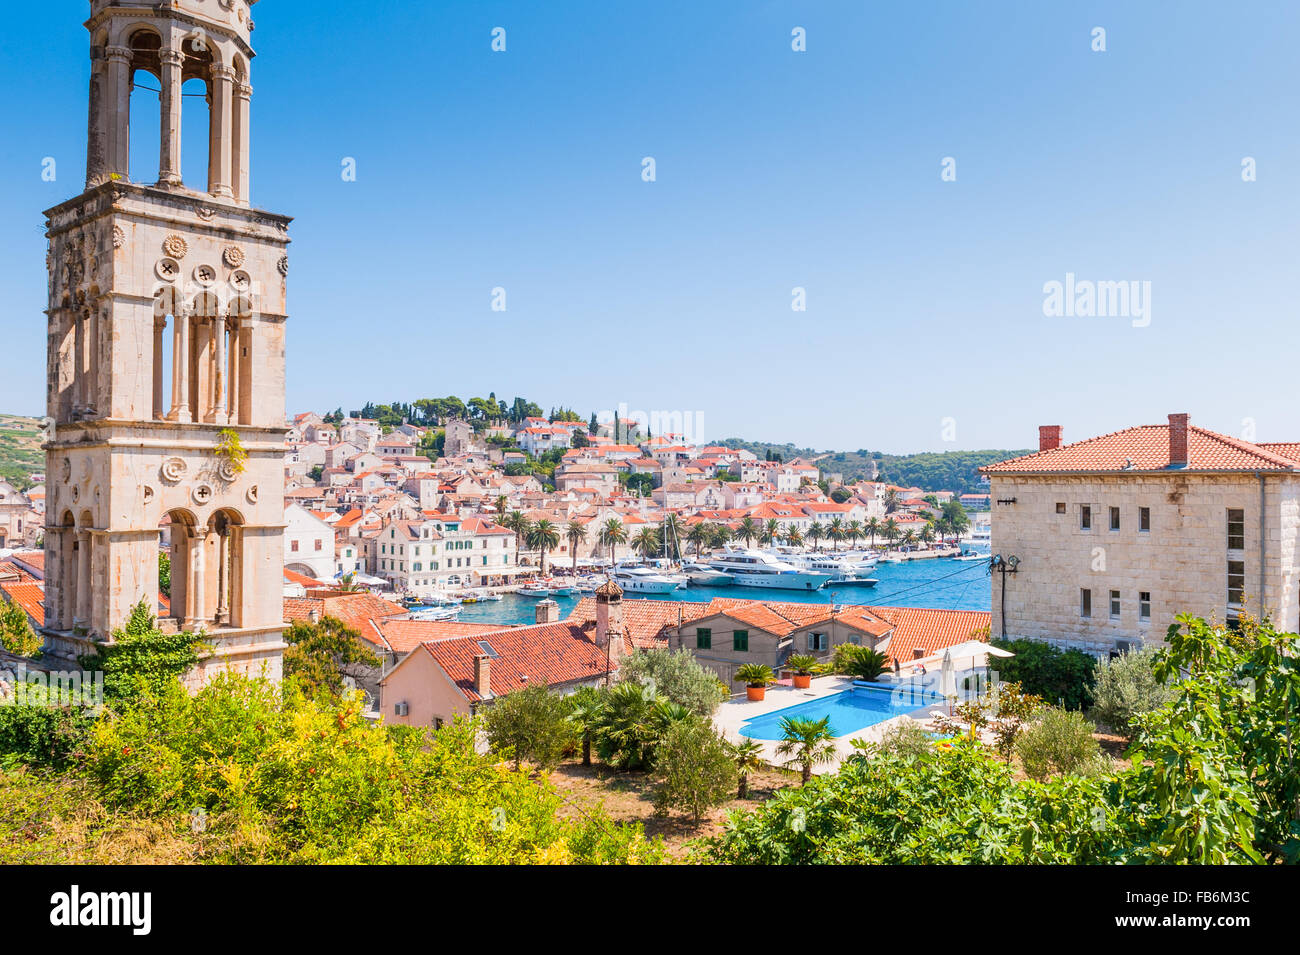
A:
[(644, 580), (755, 568), (702, 575), (837, 565)]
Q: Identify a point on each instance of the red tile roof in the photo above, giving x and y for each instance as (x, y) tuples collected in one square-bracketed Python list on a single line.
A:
[(1146, 448), (361, 611), (403, 636), (929, 630), (28, 595), (548, 653)]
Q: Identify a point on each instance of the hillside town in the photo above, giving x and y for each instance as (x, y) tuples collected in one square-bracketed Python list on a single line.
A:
[(471, 632)]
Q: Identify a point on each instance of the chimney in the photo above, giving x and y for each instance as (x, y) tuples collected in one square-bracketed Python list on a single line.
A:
[(313, 615), (1178, 440), (1049, 436), (918, 652), (609, 618), (483, 676), (547, 611)]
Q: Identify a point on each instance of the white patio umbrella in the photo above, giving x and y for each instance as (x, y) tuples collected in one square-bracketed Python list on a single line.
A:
[(947, 677)]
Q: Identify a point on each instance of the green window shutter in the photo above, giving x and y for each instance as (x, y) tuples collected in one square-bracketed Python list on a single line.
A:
[(740, 640), (703, 638)]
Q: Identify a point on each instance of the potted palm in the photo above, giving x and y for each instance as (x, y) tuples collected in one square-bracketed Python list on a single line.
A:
[(756, 677), (801, 667)]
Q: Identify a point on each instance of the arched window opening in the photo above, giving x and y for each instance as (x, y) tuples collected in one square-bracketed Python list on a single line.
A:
[(144, 118), (195, 122)]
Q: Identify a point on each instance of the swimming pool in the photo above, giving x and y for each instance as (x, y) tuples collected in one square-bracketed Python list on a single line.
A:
[(851, 710)]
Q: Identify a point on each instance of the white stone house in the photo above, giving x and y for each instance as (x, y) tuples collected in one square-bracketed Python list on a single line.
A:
[(308, 543), (1114, 536)]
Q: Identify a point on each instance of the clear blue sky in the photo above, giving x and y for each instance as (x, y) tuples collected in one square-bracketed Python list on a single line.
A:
[(775, 169)]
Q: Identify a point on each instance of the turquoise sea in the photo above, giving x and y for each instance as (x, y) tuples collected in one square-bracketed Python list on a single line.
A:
[(941, 584)]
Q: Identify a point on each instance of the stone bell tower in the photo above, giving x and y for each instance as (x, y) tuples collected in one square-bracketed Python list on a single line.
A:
[(166, 353)]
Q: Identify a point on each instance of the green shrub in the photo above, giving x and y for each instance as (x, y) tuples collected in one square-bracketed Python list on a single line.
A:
[(677, 676), (16, 633), (859, 661), (530, 724), (694, 769), (907, 738), (1125, 687), (281, 777), (1058, 676), (142, 660), (1058, 742)]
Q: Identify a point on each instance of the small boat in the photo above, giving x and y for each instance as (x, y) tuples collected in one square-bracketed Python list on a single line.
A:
[(560, 590), (852, 580), (534, 591), (972, 557), (435, 613)]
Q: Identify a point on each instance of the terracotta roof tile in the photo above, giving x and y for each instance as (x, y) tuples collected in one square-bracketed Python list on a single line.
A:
[(1146, 448)]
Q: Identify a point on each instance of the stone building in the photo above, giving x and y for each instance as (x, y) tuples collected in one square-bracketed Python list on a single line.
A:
[(1103, 542), (166, 353)]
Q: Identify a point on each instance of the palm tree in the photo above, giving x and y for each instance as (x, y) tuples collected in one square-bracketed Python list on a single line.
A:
[(747, 530), (588, 709), (771, 532), (544, 536), (518, 522), (794, 536), (748, 756), (612, 534), (909, 538), (699, 535), (873, 528), (576, 534), (927, 532), (891, 501), (891, 531), (815, 533), (719, 535), (502, 502), (807, 742), (853, 529), (646, 542), (836, 531)]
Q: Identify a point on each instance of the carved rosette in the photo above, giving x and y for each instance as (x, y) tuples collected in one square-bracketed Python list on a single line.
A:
[(172, 470), (174, 246), (227, 472), (202, 493), (119, 237), (283, 265), (251, 494), (233, 256)]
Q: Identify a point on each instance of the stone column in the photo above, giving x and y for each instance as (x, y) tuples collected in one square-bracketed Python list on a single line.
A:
[(181, 361), (117, 107), (239, 151), (96, 134), (223, 608), (232, 383), (92, 360), (221, 131), (194, 590), (220, 403), (84, 584), (169, 156), (159, 412)]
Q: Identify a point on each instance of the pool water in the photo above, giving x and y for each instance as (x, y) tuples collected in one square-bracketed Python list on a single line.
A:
[(850, 711)]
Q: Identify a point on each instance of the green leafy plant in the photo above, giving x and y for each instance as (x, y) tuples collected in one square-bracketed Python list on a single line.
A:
[(858, 661), (755, 675), (802, 664), (141, 659), (1057, 742), (231, 449), (676, 675), (748, 757), (1126, 687), (694, 769), (1058, 676), (16, 633), (321, 656), (529, 724), (807, 742)]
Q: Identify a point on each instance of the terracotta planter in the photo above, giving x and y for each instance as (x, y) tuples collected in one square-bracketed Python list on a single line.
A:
[(756, 692), (802, 682)]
